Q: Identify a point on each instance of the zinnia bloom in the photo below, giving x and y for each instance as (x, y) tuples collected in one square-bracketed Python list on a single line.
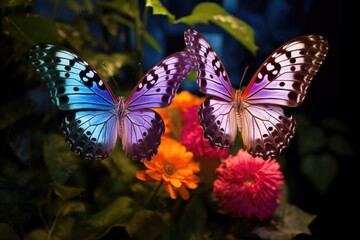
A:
[(248, 186), (192, 136), (174, 166)]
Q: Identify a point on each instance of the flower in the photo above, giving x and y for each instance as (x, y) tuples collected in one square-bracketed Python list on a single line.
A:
[(192, 136), (174, 166), (185, 99), (248, 186), (166, 119)]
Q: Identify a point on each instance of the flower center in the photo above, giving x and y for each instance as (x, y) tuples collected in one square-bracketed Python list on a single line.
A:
[(169, 169), (249, 181)]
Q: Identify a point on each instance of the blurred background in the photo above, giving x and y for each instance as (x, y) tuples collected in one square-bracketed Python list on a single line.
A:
[(128, 42)]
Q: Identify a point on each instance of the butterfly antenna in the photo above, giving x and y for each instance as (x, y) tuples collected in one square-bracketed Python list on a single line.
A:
[(242, 78), (112, 78)]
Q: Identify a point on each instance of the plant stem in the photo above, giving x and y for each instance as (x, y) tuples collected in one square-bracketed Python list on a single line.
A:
[(153, 195)]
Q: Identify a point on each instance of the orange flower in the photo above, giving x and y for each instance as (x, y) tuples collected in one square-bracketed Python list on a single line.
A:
[(185, 99), (166, 118), (174, 166), (182, 101)]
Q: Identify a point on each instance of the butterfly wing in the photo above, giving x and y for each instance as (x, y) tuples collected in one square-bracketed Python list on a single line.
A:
[(284, 77), (266, 129), (141, 134), (218, 119), (141, 127), (91, 134), (282, 80), (212, 78), (74, 85), (158, 86), (217, 115)]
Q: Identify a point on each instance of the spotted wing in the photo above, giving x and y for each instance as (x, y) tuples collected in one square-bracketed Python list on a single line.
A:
[(140, 133), (212, 78), (218, 119), (266, 130), (284, 77), (91, 129), (282, 80), (158, 86), (72, 82), (141, 127), (91, 134)]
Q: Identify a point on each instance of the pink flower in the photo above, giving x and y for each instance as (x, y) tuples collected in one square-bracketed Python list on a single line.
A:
[(248, 186), (192, 136)]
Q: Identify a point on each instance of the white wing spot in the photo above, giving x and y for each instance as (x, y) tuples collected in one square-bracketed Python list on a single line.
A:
[(101, 83), (217, 64), (269, 67), (85, 79), (90, 74), (140, 85), (260, 76), (152, 82), (149, 77)]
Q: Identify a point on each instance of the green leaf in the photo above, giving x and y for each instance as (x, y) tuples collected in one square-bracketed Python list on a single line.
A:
[(338, 144), (112, 62), (65, 228), (60, 161), (118, 213), (7, 232), (207, 12), (320, 169), (120, 166), (291, 222), (64, 208), (37, 234), (30, 29), (13, 111), (194, 218), (159, 9), (310, 140), (64, 192), (145, 224)]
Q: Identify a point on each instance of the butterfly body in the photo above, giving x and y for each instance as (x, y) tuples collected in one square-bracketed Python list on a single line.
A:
[(96, 118), (258, 112)]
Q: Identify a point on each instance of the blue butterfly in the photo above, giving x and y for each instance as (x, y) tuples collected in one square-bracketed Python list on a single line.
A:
[(96, 118)]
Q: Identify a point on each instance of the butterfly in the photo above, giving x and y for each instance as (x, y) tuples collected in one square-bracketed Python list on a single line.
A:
[(96, 118), (258, 112)]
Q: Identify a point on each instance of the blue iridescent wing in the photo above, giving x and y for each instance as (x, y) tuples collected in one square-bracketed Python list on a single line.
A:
[(91, 134), (141, 128), (72, 82), (91, 129)]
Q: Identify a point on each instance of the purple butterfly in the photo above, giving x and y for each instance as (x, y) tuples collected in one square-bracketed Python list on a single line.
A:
[(258, 113), (97, 118)]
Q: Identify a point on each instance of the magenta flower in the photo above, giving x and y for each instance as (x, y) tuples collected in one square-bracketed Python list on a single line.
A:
[(248, 186)]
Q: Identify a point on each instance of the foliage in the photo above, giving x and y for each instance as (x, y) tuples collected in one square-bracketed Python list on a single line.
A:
[(48, 192)]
